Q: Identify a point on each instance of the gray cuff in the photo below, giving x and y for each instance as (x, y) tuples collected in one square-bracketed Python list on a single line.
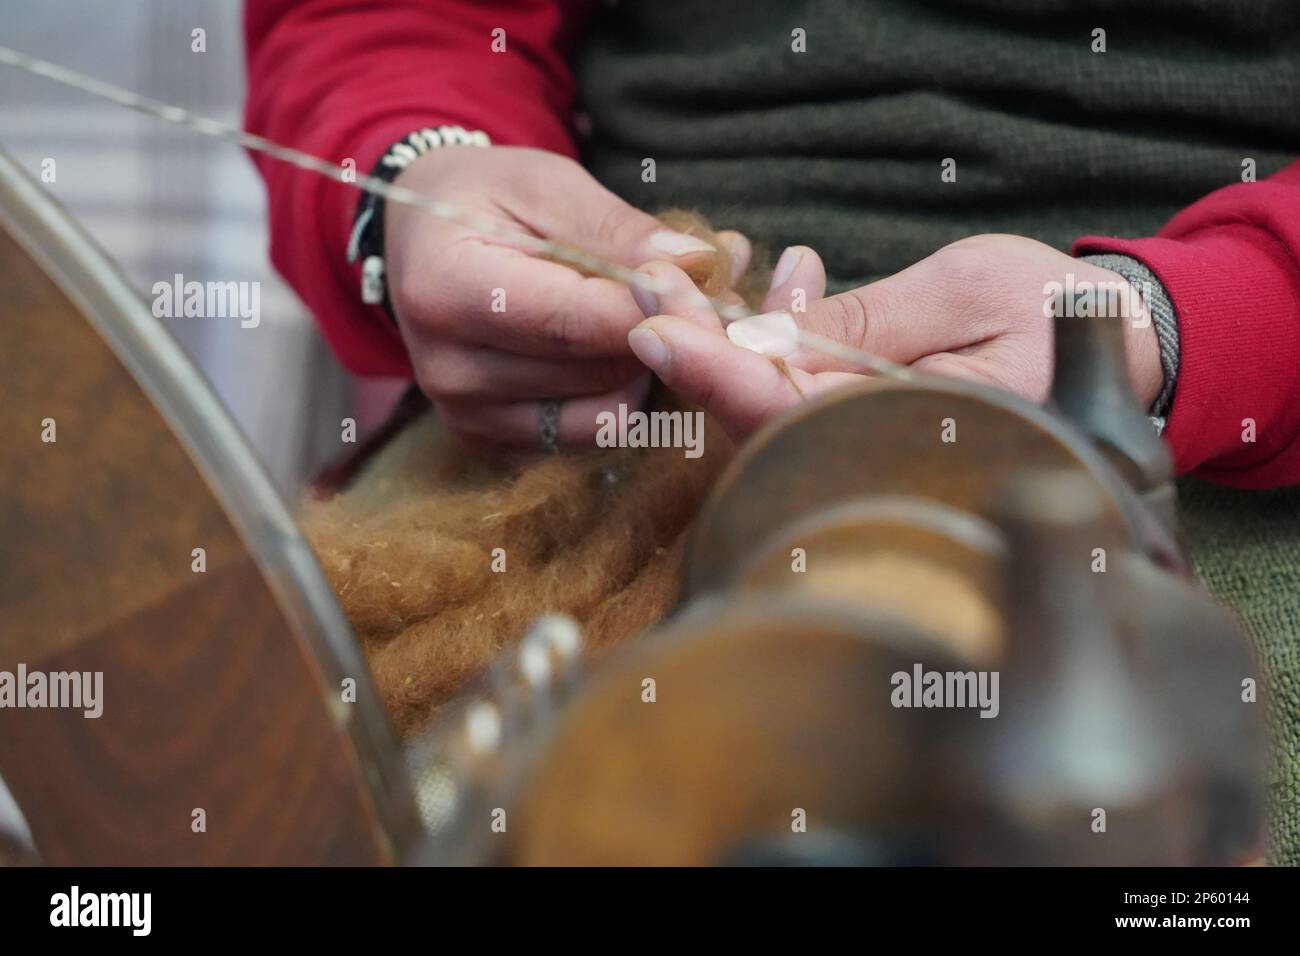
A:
[(1162, 315)]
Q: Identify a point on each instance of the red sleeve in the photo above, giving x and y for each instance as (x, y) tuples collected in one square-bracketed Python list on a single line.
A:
[(342, 79), (1231, 266)]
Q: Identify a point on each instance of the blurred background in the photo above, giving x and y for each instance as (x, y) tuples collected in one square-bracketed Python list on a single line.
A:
[(162, 200)]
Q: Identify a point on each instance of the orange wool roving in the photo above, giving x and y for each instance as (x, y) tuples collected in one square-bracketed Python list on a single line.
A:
[(596, 534), (411, 548)]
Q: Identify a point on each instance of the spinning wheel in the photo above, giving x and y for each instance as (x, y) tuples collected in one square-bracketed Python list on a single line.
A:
[(765, 722), (224, 736)]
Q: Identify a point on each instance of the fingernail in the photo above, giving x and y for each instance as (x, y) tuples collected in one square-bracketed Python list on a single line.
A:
[(741, 252), (772, 334), (671, 243), (785, 266), (649, 348), (646, 301)]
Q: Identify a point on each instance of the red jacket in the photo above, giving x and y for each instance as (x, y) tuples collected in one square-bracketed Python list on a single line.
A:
[(344, 80)]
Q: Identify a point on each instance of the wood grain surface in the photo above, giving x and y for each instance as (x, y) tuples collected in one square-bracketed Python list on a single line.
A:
[(209, 700)]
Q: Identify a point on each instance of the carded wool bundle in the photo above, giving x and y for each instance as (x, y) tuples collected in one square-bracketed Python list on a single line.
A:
[(411, 551), (441, 559)]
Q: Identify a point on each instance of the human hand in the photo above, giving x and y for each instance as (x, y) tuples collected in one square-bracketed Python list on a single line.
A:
[(974, 310), (492, 331)]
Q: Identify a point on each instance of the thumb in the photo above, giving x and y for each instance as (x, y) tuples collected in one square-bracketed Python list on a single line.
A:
[(902, 318), (687, 349)]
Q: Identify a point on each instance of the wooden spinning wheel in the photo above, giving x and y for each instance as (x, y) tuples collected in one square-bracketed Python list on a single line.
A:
[(224, 736)]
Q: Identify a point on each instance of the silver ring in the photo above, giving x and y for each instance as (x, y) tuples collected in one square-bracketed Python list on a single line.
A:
[(548, 431)]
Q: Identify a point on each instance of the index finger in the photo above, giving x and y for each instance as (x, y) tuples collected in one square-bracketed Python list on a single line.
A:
[(500, 296)]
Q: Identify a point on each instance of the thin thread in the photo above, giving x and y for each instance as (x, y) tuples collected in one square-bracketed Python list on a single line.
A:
[(728, 312)]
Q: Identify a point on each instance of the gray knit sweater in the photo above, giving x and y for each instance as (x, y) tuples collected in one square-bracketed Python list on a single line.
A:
[(842, 147)]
